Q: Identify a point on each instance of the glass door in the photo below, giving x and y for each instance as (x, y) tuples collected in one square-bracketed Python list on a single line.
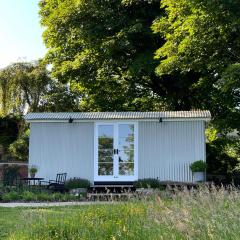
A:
[(105, 146), (126, 150), (115, 152)]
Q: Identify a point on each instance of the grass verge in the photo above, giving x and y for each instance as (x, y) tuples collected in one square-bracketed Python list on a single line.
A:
[(198, 214)]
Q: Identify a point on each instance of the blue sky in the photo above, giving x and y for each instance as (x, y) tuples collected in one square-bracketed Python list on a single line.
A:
[(20, 31)]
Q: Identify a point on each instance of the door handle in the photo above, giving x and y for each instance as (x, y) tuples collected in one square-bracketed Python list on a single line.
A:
[(115, 151)]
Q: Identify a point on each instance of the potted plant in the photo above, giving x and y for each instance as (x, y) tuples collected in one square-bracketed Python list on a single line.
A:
[(33, 170), (198, 169)]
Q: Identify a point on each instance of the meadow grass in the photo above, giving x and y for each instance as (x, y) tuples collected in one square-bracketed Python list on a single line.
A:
[(9, 218), (196, 214)]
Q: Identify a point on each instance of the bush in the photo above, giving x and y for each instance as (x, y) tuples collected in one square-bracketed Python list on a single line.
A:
[(28, 196), (77, 183), (198, 166), (147, 183), (11, 196)]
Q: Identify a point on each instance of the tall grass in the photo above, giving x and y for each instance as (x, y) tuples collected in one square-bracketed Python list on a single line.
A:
[(196, 214)]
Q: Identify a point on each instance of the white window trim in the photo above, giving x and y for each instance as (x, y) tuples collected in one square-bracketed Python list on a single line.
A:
[(112, 178)]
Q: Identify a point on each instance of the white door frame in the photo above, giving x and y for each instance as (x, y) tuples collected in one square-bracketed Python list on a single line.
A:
[(115, 162)]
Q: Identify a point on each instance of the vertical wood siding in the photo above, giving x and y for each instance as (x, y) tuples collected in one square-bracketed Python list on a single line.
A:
[(166, 149), (62, 147)]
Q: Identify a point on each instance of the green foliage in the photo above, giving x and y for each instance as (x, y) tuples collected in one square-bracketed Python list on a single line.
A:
[(198, 166), (223, 157), (9, 129), (59, 98), (33, 170), (22, 85), (147, 183), (19, 149), (77, 183), (10, 196), (202, 49), (33, 196), (106, 48)]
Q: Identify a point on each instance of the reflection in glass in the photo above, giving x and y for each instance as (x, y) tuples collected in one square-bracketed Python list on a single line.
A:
[(126, 169), (105, 131), (126, 156), (105, 143), (105, 150), (105, 155), (126, 149), (126, 130), (105, 169)]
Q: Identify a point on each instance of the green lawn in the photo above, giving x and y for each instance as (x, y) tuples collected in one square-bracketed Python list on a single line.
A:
[(198, 215), (9, 217)]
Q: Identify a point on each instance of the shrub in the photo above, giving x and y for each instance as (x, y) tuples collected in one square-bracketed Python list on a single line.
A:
[(28, 196), (147, 183), (77, 183), (31, 196), (198, 166), (11, 196)]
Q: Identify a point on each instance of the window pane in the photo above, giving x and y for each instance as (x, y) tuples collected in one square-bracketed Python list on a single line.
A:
[(105, 169), (105, 155), (126, 169), (105, 131), (105, 143), (126, 130), (126, 156), (126, 143)]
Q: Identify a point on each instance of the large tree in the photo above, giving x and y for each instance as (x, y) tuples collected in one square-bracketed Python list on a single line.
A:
[(106, 47), (202, 47), (21, 87)]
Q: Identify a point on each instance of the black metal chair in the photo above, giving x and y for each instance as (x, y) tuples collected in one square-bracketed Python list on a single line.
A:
[(56, 185)]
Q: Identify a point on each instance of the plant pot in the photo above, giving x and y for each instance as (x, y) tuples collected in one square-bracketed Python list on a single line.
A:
[(32, 175), (199, 176)]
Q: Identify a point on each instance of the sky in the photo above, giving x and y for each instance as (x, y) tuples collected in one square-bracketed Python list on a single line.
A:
[(20, 32)]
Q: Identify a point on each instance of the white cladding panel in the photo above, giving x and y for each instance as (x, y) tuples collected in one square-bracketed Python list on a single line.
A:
[(62, 147), (166, 149)]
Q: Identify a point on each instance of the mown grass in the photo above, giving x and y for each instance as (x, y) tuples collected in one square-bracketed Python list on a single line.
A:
[(197, 214)]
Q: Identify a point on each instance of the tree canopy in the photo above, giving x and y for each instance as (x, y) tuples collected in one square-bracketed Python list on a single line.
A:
[(202, 45), (21, 86), (107, 48), (135, 55)]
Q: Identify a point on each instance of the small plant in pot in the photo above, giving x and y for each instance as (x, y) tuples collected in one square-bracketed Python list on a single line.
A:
[(33, 170), (198, 169)]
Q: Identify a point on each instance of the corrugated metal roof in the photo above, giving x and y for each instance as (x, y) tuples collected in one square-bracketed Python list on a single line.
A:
[(116, 115)]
